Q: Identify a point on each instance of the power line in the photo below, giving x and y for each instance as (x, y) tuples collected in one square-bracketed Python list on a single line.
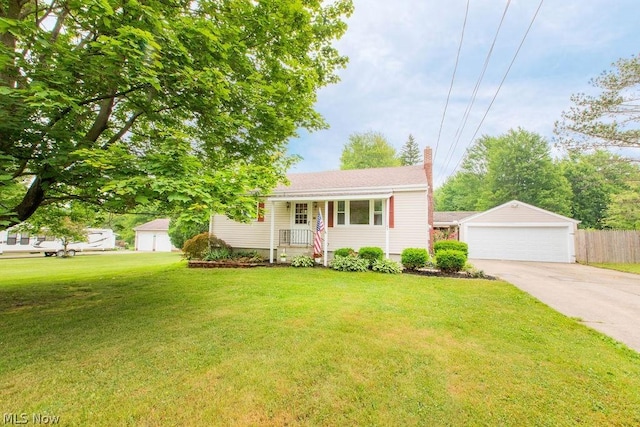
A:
[(453, 77), (465, 116), (501, 82)]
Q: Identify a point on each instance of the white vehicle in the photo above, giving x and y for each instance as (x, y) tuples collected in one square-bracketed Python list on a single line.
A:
[(98, 239)]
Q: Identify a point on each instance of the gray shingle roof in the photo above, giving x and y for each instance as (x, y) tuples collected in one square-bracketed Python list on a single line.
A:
[(451, 217), (373, 179), (161, 224)]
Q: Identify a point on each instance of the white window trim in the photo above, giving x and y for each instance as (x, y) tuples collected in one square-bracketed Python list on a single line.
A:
[(347, 213)]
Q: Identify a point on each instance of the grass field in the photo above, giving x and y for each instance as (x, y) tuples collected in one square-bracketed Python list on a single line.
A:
[(628, 268), (141, 340)]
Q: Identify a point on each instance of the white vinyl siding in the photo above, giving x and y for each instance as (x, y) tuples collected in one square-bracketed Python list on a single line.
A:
[(254, 235), (410, 230)]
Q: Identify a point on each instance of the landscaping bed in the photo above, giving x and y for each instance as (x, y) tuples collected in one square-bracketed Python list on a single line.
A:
[(225, 264)]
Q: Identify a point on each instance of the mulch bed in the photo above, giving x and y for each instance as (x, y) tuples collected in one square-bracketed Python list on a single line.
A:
[(438, 273), (232, 264), (242, 264)]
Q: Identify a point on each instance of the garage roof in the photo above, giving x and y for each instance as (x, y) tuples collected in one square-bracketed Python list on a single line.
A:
[(517, 211), (161, 224)]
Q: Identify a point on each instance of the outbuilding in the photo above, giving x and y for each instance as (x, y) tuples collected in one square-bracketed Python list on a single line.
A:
[(153, 236), (518, 231)]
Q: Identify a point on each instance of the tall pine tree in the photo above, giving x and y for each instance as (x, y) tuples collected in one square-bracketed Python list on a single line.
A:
[(410, 153)]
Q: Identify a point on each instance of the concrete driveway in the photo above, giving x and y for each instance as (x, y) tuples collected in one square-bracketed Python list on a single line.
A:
[(605, 300)]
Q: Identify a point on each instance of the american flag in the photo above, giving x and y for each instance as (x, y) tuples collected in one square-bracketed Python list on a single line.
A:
[(317, 239)]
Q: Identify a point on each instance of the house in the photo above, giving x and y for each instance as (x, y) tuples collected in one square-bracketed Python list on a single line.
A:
[(153, 236), (519, 232), (389, 208)]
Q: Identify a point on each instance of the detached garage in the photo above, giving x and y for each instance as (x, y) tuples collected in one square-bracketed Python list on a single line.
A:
[(517, 231), (154, 236)]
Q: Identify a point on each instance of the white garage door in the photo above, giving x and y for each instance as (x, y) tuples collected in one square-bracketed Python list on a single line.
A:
[(153, 241), (548, 244)]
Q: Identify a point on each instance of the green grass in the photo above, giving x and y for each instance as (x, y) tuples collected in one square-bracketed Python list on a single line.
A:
[(629, 268), (141, 340)]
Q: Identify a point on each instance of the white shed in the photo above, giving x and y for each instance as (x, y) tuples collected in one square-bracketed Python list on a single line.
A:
[(517, 231), (153, 236)]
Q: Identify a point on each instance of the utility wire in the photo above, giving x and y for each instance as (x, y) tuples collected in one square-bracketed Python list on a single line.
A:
[(501, 83), (465, 116), (453, 77)]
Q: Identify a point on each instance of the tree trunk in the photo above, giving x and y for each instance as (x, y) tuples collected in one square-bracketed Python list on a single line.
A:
[(29, 204)]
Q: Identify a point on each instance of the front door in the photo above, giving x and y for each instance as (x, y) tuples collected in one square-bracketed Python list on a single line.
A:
[(300, 224)]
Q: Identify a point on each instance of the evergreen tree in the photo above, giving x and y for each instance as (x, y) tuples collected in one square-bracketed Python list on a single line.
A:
[(410, 153)]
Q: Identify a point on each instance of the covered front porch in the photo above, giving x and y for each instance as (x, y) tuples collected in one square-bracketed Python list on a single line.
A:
[(294, 223)]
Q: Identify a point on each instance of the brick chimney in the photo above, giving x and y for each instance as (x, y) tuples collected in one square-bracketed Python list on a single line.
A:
[(428, 170)]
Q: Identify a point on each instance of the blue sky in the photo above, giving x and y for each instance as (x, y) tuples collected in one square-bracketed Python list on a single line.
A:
[(402, 55)]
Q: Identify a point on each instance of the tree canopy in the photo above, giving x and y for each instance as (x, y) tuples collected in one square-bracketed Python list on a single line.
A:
[(410, 152), (184, 105), (516, 165), (595, 179), (368, 150), (610, 119)]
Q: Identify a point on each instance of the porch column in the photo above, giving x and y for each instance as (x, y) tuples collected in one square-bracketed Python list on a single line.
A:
[(272, 232), (326, 232), (386, 228)]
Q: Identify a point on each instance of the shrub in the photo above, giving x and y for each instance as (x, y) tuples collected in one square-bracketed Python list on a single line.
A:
[(386, 266), (198, 246), (414, 258), (180, 231), (344, 252), (451, 245), (302, 261), (217, 254), (474, 272), (349, 263), (450, 261), (248, 256), (371, 254)]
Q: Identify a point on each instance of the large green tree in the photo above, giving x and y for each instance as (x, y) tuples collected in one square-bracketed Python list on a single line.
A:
[(624, 211), (595, 178), (609, 119), (368, 150), (410, 152), (187, 105), (516, 165)]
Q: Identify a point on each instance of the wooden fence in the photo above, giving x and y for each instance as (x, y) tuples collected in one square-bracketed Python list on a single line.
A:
[(607, 246)]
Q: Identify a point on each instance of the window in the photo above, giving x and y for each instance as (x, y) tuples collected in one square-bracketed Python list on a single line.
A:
[(24, 238), (341, 212), (377, 212), (301, 213), (12, 239), (359, 212)]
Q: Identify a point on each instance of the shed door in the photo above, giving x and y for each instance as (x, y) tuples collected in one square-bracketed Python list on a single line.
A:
[(526, 243)]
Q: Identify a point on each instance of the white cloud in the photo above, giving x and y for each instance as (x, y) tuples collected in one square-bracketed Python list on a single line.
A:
[(402, 55)]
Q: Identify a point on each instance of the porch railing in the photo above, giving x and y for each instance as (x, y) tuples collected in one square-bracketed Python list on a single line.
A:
[(295, 237)]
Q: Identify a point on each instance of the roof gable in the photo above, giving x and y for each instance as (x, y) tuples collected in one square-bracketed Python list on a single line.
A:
[(517, 211)]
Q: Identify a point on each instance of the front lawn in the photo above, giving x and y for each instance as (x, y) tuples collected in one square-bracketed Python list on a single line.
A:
[(112, 340), (628, 268)]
